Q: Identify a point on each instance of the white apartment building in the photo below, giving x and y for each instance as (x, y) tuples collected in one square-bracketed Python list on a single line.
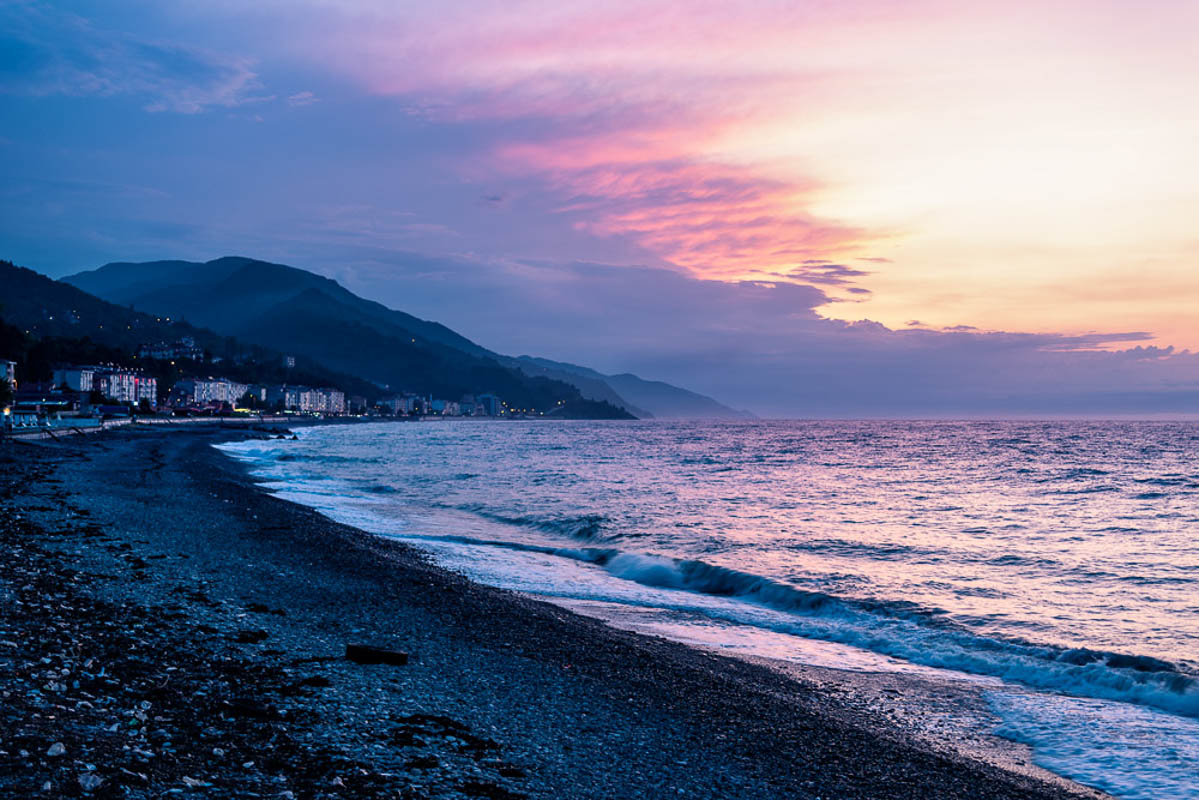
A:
[(115, 383), (322, 401)]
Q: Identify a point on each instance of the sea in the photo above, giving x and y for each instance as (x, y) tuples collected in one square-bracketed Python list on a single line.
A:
[(1056, 563)]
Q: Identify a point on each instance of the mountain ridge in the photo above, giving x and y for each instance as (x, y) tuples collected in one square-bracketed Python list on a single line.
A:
[(146, 289), (205, 293), (639, 392), (79, 323), (301, 313)]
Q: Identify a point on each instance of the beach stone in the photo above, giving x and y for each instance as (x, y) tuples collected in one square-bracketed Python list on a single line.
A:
[(56, 749), (90, 781), (365, 654), (250, 637), (602, 728)]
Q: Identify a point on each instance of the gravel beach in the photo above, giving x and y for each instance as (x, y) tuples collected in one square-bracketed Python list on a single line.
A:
[(169, 629)]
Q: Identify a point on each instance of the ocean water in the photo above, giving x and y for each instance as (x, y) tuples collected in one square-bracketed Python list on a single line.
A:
[(1055, 562)]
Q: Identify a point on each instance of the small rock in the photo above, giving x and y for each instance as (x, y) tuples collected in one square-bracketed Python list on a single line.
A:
[(90, 781), (250, 637), (317, 681), (56, 749), (365, 654)]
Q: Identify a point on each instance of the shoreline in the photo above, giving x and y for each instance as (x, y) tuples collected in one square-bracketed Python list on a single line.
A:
[(557, 704)]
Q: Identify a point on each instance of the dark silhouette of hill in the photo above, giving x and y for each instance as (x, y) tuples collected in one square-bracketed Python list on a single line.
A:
[(48, 322), (297, 311), (231, 292), (590, 383), (663, 400)]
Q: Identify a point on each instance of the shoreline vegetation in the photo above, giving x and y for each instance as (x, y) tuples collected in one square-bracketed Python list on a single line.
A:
[(168, 626)]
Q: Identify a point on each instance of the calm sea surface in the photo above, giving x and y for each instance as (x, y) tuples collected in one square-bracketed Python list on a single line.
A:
[(1059, 562)]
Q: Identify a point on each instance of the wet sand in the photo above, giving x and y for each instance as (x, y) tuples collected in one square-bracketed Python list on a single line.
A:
[(146, 568)]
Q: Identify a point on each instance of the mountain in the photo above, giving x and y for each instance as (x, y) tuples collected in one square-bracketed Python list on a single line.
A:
[(231, 292), (590, 383), (44, 322), (651, 398), (298, 312), (41, 307)]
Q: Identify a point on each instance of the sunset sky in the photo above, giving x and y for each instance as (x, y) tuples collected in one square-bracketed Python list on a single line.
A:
[(955, 193)]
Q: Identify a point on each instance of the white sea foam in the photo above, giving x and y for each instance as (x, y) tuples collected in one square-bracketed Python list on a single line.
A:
[(645, 579), (1131, 752), (538, 509)]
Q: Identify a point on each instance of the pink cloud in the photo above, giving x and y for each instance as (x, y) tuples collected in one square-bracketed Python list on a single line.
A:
[(628, 106), (709, 218)]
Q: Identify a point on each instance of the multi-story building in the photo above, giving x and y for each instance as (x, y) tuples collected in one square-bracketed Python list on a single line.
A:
[(335, 401), (394, 404), (403, 404), (8, 372), (78, 379), (284, 397), (205, 391), (489, 405), (311, 401), (322, 401), (446, 408), (146, 388), (116, 383)]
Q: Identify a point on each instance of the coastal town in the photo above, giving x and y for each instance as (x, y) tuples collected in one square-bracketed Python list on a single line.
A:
[(79, 393)]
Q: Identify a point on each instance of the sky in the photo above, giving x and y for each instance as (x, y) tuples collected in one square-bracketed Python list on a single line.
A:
[(803, 209)]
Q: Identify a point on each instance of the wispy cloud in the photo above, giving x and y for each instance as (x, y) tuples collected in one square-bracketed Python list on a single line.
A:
[(1017, 166), (300, 99), (826, 273), (835, 119), (615, 108), (56, 52), (714, 220)]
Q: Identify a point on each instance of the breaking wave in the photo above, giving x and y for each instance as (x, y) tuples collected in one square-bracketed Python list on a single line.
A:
[(895, 628), (587, 527)]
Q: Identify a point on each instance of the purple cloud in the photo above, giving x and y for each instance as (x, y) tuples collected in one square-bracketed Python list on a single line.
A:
[(764, 346)]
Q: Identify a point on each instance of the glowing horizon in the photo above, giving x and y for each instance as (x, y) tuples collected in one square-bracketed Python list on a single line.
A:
[(1024, 169), (1027, 169)]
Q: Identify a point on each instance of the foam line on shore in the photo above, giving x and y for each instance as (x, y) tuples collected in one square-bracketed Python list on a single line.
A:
[(898, 630)]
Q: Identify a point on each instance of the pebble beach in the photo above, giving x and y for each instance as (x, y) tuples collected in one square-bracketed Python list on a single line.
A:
[(169, 629)]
